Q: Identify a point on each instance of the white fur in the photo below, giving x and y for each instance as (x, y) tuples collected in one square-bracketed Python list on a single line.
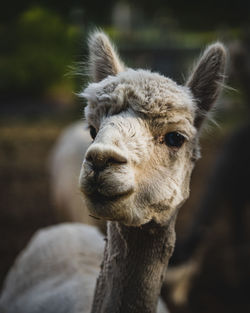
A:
[(56, 272)]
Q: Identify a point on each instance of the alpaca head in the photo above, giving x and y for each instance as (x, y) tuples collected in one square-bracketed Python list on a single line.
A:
[(145, 131)]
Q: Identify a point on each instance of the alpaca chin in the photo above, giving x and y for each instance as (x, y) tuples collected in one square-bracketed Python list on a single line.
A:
[(121, 209)]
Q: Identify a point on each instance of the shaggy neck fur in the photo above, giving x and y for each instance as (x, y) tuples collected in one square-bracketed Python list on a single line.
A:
[(133, 267)]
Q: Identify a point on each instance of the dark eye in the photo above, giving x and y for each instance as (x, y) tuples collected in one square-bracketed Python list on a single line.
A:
[(174, 139), (92, 131)]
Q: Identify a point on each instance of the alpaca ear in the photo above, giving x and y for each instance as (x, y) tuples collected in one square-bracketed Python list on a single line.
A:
[(103, 58), (206, 79)]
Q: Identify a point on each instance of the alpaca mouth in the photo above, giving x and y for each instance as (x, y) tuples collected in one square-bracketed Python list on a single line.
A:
[(100, 197), (107, 185)]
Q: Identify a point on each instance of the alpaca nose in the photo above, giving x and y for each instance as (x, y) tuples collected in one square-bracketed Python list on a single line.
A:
[(101, 156)]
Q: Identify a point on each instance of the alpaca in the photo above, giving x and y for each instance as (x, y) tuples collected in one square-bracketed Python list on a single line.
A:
[(58, 266), (225, 196), (226, 188), (136, 173), (65, 162)]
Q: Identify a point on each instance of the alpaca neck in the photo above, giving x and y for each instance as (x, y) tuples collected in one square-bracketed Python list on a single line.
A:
[(135, 259)]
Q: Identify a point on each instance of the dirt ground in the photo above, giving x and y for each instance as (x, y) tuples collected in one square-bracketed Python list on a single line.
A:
[(25, 206)]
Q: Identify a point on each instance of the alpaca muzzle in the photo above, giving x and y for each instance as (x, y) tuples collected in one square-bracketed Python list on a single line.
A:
[(106, 172)]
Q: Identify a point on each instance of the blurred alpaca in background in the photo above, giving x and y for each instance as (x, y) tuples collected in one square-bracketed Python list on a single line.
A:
[(65, 163)]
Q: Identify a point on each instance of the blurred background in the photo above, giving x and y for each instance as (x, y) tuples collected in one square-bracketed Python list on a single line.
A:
[(42, 56)]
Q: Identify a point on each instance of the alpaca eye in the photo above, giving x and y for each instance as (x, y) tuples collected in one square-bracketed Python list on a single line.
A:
[(92, 131), (174, 139)]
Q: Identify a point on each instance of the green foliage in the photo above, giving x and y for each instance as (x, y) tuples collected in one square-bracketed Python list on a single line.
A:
[(35, 52)]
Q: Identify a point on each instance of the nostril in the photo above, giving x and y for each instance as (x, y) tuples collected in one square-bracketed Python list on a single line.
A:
[(116, 157), (96, 161), (116, 160), (89, 158), (112, 160)]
